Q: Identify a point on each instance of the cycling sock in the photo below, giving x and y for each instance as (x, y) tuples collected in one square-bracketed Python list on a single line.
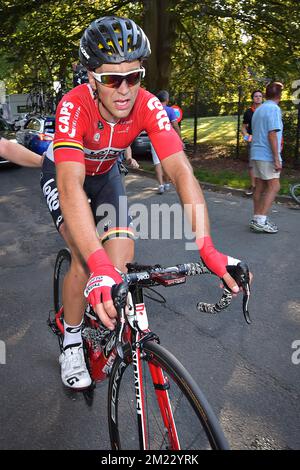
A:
[(72, 334)]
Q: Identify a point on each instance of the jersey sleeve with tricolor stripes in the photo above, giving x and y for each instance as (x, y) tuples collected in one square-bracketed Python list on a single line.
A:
[(69, 129)]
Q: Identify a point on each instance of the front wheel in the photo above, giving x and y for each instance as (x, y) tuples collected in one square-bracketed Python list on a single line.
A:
[(176, 408), (62, 266)]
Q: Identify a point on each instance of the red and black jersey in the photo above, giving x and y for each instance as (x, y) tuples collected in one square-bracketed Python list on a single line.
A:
[(82, 135)]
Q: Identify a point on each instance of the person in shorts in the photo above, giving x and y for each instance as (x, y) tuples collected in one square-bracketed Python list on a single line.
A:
[(162, 178), (266, 161)]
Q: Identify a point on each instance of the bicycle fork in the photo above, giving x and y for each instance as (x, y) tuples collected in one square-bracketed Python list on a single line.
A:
[(161, 386)]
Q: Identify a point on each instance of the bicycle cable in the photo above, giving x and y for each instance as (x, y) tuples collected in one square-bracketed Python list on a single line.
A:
[(161, 299)]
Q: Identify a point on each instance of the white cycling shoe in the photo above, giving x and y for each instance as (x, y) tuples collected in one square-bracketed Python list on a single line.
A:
[(74, 373)]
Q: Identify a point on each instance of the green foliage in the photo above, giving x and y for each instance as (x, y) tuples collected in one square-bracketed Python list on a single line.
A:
[(290, 119), (212, 45)]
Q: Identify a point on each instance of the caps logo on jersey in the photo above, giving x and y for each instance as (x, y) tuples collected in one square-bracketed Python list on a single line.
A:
[(97, 137), (100, 125), (162, 117)]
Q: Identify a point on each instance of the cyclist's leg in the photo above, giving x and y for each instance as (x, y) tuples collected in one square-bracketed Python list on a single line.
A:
[(73, 368), (76, 278), (74, 282), (109, 206), (120, 252)]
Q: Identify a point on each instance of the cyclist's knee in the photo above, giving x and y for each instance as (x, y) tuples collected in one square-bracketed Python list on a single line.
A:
[(120, 252)]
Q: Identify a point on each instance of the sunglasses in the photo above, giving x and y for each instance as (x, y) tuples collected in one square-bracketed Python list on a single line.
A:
[(114, 80)]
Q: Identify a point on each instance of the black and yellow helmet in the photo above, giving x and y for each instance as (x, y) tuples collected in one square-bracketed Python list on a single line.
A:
[(112, 40)]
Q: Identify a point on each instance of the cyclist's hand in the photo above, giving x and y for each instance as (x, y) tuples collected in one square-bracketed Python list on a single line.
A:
[(217, 262), (98, 289)]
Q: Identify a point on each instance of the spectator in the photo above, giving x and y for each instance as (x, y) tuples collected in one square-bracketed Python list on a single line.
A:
[(257, 98), (162, 178), (266, 159)]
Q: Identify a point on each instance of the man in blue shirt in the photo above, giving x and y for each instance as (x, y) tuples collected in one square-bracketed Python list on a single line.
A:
[(163, 96), (266, 158)]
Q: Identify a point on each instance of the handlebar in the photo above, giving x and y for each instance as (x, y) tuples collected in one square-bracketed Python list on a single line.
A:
[(146, 276)]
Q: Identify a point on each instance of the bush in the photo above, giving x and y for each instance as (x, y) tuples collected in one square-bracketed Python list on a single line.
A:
[(289, 134)]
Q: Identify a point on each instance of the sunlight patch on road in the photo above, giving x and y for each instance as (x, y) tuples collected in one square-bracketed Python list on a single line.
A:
[(19, 335), (294, 310)]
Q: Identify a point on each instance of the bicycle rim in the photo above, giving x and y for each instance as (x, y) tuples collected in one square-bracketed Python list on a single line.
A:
[(295, 192), (195, 423)]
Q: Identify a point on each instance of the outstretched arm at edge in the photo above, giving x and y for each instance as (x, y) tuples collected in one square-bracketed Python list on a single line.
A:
[(16, 153)]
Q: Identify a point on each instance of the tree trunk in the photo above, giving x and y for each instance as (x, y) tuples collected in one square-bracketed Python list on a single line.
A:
[(160, 27)]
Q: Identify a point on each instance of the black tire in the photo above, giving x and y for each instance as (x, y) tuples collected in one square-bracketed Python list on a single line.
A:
[(196, 424), (295, 192), (62, 264)]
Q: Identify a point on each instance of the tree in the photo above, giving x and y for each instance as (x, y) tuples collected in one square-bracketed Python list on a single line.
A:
[(207, 44)]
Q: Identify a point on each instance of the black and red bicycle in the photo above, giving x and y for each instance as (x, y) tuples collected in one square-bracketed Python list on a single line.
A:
[(153, 402)]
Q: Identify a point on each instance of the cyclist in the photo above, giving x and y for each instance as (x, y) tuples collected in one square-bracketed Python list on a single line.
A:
[(16, 153), (95, 122)]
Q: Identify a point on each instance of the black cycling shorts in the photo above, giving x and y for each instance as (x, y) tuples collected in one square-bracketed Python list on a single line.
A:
[(107, 197)]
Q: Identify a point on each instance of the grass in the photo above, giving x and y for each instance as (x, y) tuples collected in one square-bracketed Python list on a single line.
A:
[(226, 178), (211, 130), (236, 180), (219, 131)]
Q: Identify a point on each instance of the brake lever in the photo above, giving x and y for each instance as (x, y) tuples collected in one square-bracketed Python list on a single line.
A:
[(240, 274), (119, 294)]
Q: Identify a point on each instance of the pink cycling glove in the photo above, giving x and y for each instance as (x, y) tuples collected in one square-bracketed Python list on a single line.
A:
[(103, 276), (214, 260)]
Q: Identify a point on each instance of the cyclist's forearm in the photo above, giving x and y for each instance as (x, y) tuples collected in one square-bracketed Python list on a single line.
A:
[(190, 193), (78, 218), (16, 153)]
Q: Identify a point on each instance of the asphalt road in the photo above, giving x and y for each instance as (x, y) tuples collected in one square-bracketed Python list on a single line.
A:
[(246, 372)]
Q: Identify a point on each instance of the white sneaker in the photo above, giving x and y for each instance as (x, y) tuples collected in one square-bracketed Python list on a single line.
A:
[(256, 227), (167, 186), (74, 373), (270, 227), (268, 221), (161, 189), (263, 228)]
